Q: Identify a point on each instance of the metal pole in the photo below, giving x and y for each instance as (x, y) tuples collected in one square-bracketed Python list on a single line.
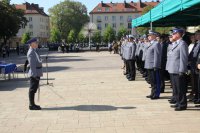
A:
[(151, 26)]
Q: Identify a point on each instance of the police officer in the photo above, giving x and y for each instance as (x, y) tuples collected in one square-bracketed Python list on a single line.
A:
[(130, 58), (178, 68), (35, 72), (169, 56), (153, 64)]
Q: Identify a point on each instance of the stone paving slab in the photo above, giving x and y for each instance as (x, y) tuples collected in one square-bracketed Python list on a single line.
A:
[(90, 95)]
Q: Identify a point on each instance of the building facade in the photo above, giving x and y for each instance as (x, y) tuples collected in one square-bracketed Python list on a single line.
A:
[(38, 23), (118, 14)]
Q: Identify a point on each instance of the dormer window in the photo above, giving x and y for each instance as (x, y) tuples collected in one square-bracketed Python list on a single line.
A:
[(107, 9), (99, 9)]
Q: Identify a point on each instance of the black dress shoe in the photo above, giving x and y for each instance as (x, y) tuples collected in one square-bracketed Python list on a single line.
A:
[(131, 79), (34, 107), (180, 108), (174, 106), (149, 96), (172, 102), (154, 98)]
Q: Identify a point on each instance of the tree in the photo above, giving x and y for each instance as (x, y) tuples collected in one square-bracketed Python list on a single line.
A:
[(71, 36), (25, 38), (55, 35), (122, 31), (81, 37), (11, 20), (68, 15), (97, 37), (109, 34)]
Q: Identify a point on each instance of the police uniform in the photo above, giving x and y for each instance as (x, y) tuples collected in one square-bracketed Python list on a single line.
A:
[(178, 67), (129, 56), (153, 64), (35, 72)]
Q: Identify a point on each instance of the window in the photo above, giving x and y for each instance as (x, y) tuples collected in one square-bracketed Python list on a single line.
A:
[(121, 24), (47, 27), (31, 33), (107, 9), (114, 25), (98, 18), (23, 26), (121, 18), (129, 26), (129, 18), (99, 26), (129, 32), (106, 25), (30, 26), (106, 18), (113, 18), (30, 19), (99, 9)]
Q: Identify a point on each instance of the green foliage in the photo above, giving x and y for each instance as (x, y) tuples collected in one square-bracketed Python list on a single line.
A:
[(68, 15), (25, 38), (11, 20), (109, 34), (163, 30), (71, 37), (81, 37), (97, 37), (55, 35), (122, 31)]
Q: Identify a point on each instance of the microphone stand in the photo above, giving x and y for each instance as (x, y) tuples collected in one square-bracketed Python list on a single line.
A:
[(47, 68)]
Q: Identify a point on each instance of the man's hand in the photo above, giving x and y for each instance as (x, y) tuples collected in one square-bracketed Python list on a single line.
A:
[(198, 66)]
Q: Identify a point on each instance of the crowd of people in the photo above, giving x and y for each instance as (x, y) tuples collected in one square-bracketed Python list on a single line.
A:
[(161, 57)]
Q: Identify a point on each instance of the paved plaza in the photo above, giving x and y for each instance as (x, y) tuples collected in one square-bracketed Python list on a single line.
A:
[(89, 94)]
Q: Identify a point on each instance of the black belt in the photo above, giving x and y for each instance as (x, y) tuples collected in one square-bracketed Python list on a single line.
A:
[(38, 67)]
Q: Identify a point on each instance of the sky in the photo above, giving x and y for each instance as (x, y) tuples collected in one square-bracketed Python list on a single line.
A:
[(90, 4)]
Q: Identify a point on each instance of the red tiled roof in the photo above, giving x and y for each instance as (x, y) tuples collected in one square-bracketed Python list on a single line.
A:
[(31, 9), (121, 7)]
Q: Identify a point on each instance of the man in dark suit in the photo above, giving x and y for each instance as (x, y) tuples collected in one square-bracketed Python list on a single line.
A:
[(153, 64), (192, 59), (178, 68), (197, 65)]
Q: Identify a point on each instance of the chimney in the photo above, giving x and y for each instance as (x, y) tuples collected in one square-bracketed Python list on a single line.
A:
[(124, 1), (42, 8), (139, 3), (131, 1), (158, 1)]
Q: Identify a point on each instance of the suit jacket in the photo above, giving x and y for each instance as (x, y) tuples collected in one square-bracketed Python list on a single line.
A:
[(144, 51), (169, 55), (179, 58), (192, 58), (35, 63), (130, 50), (153, 55)]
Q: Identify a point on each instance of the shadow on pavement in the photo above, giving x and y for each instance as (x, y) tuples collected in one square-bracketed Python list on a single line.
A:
[(10, 85), (55, 68), (88, 108)]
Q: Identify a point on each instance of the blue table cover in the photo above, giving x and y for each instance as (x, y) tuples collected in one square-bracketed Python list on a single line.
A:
[(8, 67)]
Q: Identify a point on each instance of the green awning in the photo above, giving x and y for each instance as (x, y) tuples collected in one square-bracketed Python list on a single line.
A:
[(171, 13)]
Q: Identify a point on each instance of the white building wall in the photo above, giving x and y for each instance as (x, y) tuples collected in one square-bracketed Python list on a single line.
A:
[(38, 26)]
